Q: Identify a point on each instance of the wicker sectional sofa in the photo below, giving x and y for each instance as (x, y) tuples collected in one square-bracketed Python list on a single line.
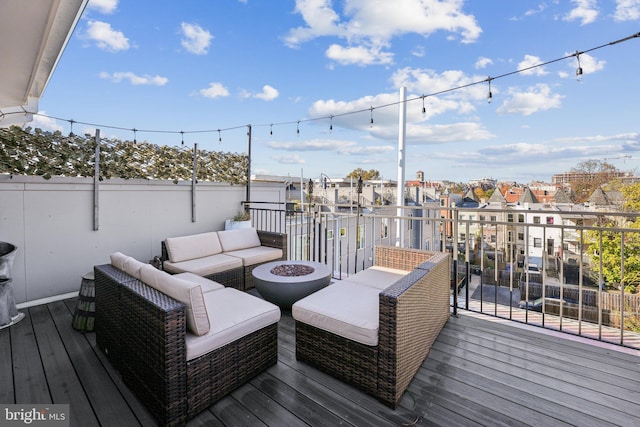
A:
[(227, 257), (180, 342), (374, 329)]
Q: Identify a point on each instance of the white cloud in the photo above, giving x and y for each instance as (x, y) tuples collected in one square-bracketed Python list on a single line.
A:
[(45, 123), (482, 62), (103, 6), (528, 62), (358, 55), (342, 147), (215, 90), (195, 39), (537, 98), (268, 93), (588, 63), (368, 26), (627, 10), (135, 79), (584, 11), (289, 159), (106, 37)]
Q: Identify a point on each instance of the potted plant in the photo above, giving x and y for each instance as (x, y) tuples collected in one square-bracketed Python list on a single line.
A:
[(241, 219)]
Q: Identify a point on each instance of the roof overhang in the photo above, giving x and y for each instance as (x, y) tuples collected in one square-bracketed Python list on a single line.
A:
[(34, 34)]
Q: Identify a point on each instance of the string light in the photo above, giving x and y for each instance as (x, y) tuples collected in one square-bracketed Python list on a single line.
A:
[(424, 109), (579, 73), (71, 122), (182, 137), (331, 123), (579, 69), (219, 136), (135, 139)]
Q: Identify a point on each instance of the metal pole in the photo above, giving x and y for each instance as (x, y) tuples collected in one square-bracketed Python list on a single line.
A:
[(194, 178), (248, 196), (96, 185)]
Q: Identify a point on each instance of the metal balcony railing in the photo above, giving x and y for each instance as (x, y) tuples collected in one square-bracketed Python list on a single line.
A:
[(540, 267)]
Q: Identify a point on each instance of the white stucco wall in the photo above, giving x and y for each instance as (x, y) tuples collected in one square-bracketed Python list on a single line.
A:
[(51, 223)]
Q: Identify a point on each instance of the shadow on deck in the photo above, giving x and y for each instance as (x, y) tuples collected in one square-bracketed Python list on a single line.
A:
[(481, 371)]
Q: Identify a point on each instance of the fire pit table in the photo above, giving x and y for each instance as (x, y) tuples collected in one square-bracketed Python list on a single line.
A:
[(285, 282)]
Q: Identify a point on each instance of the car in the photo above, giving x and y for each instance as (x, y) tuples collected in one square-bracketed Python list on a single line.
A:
[(533, 268)]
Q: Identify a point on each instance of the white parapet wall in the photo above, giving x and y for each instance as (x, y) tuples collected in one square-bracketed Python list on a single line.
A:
[(52, 223)]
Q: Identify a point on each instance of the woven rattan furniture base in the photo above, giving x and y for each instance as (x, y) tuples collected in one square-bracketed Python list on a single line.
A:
[(412, 311), (143, 332)]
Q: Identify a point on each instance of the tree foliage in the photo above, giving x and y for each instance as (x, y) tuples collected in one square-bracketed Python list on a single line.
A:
[(47, 154), (592, 175), (609, 252), (366, 175)]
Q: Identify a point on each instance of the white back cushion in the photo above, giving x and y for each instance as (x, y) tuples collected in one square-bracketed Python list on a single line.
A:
[(184, 248), (243, 238), (186, 292), (132, 267), (117, 260)]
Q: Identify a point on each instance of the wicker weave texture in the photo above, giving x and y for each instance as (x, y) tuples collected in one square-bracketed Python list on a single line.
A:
[(151, 339), (107, 326), (400, 258), (350, 361), (412, 313), (410, 321)]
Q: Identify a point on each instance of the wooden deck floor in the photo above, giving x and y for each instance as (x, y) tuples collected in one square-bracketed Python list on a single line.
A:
[(480, 371)]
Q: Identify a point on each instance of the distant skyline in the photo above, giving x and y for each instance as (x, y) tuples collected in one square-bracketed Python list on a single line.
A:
[(287, 67)]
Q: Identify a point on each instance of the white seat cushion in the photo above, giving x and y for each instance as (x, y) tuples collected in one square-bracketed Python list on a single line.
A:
[(378, 277), (204, 266), (194, 246), (244, 238), (206, 284), (117, 260), (186, 292), (256, 255), (233, 314), (344, 308)]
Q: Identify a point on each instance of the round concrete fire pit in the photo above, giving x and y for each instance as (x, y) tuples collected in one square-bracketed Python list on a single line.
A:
[(285, 282)]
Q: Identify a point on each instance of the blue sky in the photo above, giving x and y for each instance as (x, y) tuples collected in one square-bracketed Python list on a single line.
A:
[(286, 67)]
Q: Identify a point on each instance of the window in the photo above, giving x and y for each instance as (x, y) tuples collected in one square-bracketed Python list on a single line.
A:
[(537, 242), (536, 220), (329, 234), (494, 218), (493, 238), (520, 217), (360, 236), (549, 220), (384, 228), (442, 203), (472, 217), (520, 236), (510, 237), (463, 237), (510, 217), (482, 218)]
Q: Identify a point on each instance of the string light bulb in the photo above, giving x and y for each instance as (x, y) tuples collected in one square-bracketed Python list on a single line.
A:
[(424, 109), (71, 134), (271, 129), (371, 121), (219, 136), (489, 94), (298, 128), (182, 137), (135, 135), (331, 123), (579, 69)]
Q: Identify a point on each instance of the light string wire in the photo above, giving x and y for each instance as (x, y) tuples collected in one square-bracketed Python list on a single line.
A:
[(330, 117)]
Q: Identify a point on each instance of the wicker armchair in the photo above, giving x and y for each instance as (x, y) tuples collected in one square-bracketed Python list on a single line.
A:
[(142, 332), (412, 311)]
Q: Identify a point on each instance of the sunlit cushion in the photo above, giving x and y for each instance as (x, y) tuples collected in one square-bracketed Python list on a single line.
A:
[(243, 238), (193, 246)]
